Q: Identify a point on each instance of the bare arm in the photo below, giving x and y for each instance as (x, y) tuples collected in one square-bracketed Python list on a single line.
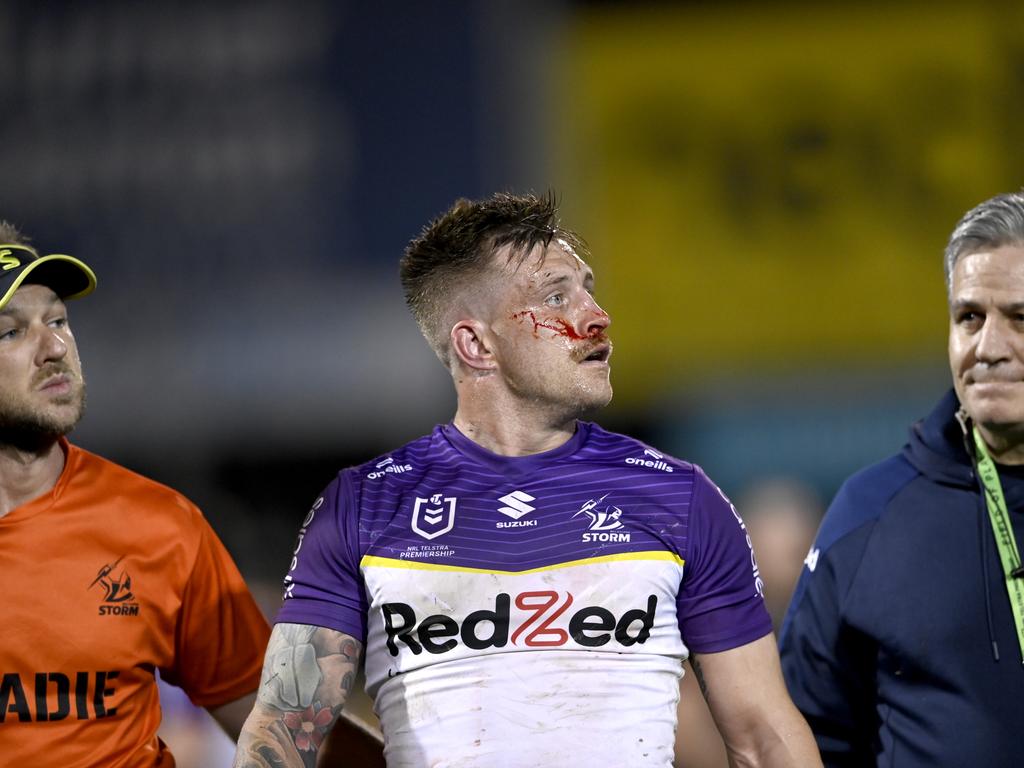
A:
[(307, 675), (231, 716), (748, 700), (698, 743)]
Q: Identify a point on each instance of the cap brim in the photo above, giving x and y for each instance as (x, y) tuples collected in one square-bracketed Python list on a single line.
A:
[(68, 277)]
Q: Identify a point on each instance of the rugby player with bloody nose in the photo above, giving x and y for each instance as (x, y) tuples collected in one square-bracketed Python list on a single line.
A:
[(524, 584)]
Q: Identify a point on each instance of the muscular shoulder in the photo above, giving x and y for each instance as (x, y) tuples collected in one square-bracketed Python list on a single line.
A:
[(143, 502), (863, 499), (402, 464), (616, 448), (846, 535)]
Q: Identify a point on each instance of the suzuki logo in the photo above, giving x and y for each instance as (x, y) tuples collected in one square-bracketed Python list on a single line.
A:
[(517, 504)]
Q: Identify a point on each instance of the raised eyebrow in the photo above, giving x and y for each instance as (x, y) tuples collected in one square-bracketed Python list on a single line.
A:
[(553, 281), (966, 304), (962, 304)]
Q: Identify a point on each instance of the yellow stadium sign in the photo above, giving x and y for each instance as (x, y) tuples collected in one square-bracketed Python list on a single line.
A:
[(771, 189)]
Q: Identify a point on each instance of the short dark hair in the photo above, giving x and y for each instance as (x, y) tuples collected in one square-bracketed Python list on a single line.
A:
[(11, 235), (459, 244), (994, 223)]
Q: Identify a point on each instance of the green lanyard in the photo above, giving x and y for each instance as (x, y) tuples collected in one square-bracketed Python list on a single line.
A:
[(1005, 541)]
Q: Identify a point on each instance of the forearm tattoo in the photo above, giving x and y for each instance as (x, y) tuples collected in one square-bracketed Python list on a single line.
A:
[(307, 675), (699, 674)]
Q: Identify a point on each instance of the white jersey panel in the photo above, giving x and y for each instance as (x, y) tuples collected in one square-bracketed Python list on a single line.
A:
[(498, 654), (525, 710)]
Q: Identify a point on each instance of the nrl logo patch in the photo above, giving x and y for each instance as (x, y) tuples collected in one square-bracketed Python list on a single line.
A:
[(433, 516)]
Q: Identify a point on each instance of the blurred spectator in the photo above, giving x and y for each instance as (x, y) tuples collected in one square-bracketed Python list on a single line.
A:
[(781, 515)]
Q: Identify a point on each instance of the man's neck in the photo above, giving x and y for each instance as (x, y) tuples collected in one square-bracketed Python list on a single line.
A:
[(27, 475), (512, 431)]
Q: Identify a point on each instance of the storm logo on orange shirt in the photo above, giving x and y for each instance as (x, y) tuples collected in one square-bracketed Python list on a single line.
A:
[(118, 600)]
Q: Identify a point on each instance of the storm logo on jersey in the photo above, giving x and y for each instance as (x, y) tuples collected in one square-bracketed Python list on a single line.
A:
[(543, 625), (605, 524), (119, 599)]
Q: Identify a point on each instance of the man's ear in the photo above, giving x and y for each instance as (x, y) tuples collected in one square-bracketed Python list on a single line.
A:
[(470, 346)]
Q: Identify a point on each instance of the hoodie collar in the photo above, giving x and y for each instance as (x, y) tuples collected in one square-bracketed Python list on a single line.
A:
[(936, 445), (936, 448)]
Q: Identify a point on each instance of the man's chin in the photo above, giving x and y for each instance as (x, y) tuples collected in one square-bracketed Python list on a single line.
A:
[(1010, 429), (1003, 424), (29, 440), (995, 409), (36, 434), (591, 402)]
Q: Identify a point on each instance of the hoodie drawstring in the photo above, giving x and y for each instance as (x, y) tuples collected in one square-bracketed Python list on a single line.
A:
[(983, 541), (965, 425)]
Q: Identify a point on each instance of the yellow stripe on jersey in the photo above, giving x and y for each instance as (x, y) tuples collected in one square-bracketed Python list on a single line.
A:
[(371, 561)]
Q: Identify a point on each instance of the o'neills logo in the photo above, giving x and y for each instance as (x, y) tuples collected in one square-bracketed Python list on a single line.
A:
[(592, 626), (388, 467), (658, 464)]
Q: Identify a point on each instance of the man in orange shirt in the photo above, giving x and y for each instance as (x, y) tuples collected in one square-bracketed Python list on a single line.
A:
[(108, 576)]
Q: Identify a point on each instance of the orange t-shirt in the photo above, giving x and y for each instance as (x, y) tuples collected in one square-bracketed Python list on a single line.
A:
[(107, 578)]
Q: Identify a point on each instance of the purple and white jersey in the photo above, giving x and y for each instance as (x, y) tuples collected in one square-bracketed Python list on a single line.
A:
[(523, 611)]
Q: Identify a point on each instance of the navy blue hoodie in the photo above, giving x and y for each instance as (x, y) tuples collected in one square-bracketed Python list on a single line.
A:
[(899, 646)]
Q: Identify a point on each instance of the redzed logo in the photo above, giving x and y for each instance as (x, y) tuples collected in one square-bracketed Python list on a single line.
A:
[(591, 626)]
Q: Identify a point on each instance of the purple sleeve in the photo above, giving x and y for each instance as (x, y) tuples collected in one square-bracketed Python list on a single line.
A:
[(721, 600), (323, 586)]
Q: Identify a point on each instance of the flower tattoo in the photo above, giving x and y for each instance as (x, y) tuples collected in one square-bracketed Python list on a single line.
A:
[(309, 726)]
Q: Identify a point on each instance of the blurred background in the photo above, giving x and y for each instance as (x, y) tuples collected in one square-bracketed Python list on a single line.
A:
[(766, 189)]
